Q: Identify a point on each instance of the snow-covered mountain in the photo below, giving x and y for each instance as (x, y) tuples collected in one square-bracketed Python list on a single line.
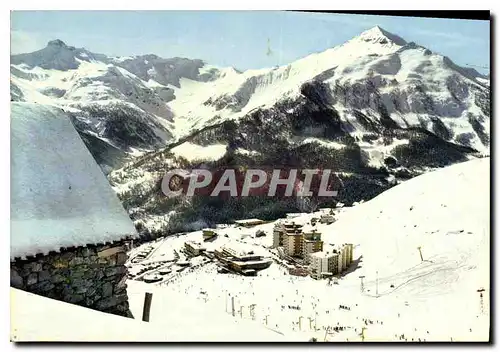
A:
[(375, 109), (373, 76), (371, 81), (119, 105)]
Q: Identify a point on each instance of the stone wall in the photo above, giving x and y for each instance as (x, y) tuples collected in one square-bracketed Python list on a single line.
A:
[(93, 277)]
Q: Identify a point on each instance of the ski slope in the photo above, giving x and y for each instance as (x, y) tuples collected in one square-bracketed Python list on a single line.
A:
[(39, 319), (445, 212)]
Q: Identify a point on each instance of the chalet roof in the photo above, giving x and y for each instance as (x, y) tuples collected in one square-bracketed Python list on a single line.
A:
[(59, 195)]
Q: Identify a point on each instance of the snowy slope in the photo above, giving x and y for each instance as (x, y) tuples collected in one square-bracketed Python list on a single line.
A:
[(39, 319), (445, 212), (451, 220), (59, 196)]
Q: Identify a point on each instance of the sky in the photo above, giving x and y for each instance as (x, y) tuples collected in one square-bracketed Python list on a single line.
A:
[(242, 39)]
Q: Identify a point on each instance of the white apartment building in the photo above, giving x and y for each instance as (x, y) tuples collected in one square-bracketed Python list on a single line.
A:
[(334, 263), (330, 263), (319, 264), (345, 257), (309, 247), (324, 263), (349, 247)]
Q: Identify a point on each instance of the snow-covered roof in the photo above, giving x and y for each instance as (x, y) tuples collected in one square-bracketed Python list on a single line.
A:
[(59, 195), (249, 221), (321, 254), (290, 223), (194, 245), (328, 216), (326, 254), (241, 249)]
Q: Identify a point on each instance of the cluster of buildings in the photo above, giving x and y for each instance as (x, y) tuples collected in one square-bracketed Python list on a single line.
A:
[(240, 261), (291, 240), (295, 242), (233, 258), (304, 248)]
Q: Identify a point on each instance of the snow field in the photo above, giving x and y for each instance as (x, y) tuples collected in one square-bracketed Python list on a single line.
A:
[(433, 300)]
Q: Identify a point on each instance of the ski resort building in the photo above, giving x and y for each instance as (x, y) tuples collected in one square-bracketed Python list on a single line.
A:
[(277, 236), (324, 263), (209, 235), (345, 256), (280, 231), (295, 242), (312, 243), (68, 228), (240, 260), (309, 247), (193, 248), (327, 219), (349, 252), (249, 222)]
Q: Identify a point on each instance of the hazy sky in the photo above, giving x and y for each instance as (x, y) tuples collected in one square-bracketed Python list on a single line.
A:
[(239, 38)]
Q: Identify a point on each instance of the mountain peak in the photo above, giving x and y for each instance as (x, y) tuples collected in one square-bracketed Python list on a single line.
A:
[(58, 56), (379, 35), (57, 42)]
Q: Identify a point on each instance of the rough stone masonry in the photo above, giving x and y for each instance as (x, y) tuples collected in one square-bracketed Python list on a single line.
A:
[(92, 276)]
